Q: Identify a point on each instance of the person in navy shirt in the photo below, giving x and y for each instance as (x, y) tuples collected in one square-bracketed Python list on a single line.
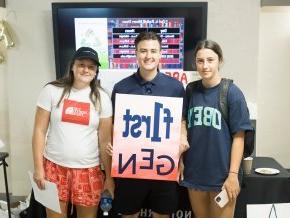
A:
[(212, 163), (131, 194)]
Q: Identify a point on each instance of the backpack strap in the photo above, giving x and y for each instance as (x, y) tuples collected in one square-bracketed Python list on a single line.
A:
[(190, 89), (223, 97)]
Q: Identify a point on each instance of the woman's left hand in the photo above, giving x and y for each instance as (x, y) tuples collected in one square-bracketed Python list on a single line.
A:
[(232, 186)]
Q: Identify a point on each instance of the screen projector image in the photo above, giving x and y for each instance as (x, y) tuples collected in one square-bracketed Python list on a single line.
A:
[(111, 28), (114, 39)]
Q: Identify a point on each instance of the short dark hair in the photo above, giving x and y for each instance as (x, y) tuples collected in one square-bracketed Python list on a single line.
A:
[(147, 36), (209, 44)]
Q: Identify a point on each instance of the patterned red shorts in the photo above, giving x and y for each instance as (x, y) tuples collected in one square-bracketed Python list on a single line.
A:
[(81, 186)]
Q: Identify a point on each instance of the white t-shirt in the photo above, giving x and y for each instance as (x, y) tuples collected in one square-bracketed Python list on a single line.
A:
[(72, 139)]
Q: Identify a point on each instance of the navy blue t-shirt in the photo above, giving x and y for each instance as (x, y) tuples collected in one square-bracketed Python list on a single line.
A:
[(161, 85), (207, 161)]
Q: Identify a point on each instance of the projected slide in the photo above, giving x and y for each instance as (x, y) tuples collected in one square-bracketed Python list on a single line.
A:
[(113, 38), (92, 32)]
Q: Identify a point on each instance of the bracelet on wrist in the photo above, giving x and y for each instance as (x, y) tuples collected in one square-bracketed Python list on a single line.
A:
[(234, 172)]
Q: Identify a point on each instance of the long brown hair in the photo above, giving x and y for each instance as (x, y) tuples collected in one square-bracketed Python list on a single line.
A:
[(66, 82)]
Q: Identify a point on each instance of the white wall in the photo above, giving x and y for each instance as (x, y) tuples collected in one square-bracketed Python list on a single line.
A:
[(234, 24), (3, 117), (273, 84)]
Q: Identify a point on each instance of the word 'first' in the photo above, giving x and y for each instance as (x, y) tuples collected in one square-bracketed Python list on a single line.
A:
[(134, 122)]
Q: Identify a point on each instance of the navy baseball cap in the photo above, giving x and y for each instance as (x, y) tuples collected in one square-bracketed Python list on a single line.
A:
[(87, 52)]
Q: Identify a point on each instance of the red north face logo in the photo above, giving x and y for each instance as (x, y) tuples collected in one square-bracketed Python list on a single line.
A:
[(76, 112)]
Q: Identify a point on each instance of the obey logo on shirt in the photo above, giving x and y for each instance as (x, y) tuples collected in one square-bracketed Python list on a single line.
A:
[(76, 112)]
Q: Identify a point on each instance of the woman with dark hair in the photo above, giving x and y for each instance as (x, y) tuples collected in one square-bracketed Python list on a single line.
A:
[(213, 160), (73, 125)]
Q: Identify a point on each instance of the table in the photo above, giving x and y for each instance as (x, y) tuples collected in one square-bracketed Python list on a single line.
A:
[(3, 156), (263, 189)]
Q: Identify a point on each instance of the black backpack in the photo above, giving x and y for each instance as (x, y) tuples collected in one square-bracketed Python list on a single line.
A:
[(249, 141)]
